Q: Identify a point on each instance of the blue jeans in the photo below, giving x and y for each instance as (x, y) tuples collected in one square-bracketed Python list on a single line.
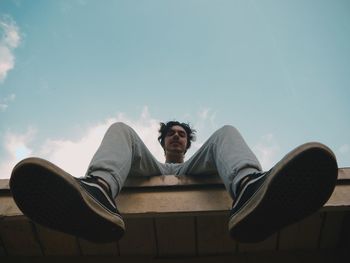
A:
[(122, 153)]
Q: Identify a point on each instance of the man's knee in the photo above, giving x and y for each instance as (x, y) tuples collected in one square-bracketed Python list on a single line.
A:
[(227, 129), (120, 127), (224, 132)]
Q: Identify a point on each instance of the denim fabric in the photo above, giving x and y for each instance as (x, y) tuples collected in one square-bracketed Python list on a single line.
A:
[(122, 153)]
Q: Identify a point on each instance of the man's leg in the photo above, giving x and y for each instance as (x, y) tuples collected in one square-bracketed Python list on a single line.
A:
[(296, 187), (265, 202), (82, 206), (224, 153), (120, 154)]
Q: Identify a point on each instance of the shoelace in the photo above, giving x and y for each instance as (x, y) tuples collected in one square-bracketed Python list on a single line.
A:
[(243, 182), (95, 180)]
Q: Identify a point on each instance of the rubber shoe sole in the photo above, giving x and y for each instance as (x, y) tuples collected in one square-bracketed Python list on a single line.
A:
[(53, 198), (296, 187)]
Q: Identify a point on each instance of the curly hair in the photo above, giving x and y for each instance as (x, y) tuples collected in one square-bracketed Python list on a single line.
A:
[(165, 127)]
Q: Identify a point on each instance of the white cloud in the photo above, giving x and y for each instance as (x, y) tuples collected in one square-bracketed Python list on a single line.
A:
[(16, 148), (267, 151), (207, 114), (204, 125), (3, 107), (343, 155), (74, 155), (11, 97), (344, 149), (4, 102), (204, 113), (9, 40)]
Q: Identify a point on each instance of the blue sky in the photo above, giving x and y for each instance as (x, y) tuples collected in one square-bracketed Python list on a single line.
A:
[(279, 71)]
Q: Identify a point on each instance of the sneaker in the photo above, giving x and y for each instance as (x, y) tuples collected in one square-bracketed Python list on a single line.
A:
[(299, 185), (53, 198)]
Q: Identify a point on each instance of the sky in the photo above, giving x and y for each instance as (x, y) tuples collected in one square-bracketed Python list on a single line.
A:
[(278, 71)]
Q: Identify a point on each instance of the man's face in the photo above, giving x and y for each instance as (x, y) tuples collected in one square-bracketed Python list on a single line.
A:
[(175, 140)]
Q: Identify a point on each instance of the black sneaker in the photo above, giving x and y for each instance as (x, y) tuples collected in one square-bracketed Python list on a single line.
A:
[(53, 198), (299, 185)]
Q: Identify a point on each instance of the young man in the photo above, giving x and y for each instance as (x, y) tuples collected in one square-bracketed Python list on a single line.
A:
[(263, 202)]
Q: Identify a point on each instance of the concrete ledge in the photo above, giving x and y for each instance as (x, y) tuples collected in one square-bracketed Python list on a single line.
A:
[(147, 196), (177, 216)]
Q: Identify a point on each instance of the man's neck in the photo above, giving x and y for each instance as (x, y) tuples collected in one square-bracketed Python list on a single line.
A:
[(174, 158)]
